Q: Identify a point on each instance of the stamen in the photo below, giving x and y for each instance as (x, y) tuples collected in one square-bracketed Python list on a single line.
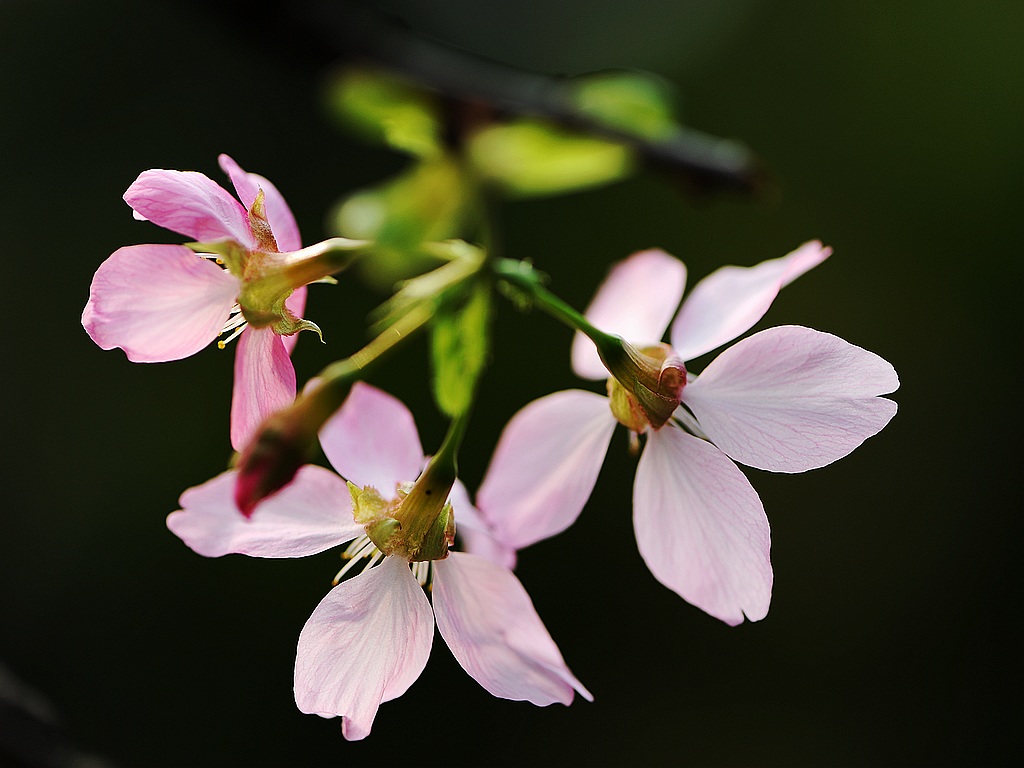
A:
[(362, 548), (356, 544), (233, 322), (421, 571), (356, 551), (224, 342), (236, 322)]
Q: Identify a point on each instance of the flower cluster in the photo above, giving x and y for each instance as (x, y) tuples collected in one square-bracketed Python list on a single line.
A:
[(418, 552), (166, 302), (369, 638), (787, 399)]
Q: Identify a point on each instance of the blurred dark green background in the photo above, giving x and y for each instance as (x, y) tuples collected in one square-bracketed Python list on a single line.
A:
[(893, 132)]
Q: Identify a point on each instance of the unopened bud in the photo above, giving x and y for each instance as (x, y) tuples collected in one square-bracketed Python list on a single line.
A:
[(285, 441), (270, 460)]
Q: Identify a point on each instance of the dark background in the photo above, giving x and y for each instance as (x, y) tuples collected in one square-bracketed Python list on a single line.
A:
[(893, 132)]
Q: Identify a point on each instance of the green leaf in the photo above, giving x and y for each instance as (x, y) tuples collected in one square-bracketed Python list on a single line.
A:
[(389, 110), (530, 157), (460, 342), (632, 102), (429, 202)]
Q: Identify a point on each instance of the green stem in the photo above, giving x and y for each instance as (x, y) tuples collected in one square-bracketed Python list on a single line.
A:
[(448, 454), (656, 382), (321, 260), (522, 276), (336, 378), (288, 438), (426, 524)]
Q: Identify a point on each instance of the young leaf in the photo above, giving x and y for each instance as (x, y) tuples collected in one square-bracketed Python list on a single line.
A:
[(459, 347), (530, 157)]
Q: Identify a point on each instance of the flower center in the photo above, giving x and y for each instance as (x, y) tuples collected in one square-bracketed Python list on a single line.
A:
[(661, 391), (409, 526)]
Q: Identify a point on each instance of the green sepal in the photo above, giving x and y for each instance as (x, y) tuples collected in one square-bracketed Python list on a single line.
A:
[(228, 252), (368, 506), (651, 378), (625, 408), (531, 157), (417, 525), (460, 345), (263, 304), (438, 538)]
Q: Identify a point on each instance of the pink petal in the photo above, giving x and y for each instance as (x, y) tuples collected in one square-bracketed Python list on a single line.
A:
[(372, 440), (635, 301), (789, 399), (731, 299), (158, 302), (482, 543), (545, 466), (494, 632), (191, 204), (296, 304), (247, 185), (366, 643), (264, 382), (701, 527), (310, 515), (476, 533)]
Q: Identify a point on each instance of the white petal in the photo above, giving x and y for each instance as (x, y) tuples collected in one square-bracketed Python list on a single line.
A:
[(365, 643), (789, 399), (730, 300), (636, 302), (701, 527), (545, 466), (494, 632), (372, 440), (311, 514)]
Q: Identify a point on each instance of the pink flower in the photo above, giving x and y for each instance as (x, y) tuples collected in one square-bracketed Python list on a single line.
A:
[(787, 399), (369, 638), (166, 302)]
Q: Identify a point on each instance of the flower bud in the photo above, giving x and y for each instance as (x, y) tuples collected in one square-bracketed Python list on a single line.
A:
[(285, 441), (271, 459), (651, 380)]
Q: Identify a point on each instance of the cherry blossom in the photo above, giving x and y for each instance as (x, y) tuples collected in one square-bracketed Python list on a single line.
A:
[(369, 638), (166, 302), (786, 399)]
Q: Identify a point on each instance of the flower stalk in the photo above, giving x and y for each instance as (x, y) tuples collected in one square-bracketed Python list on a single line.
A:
[(425, 516), (653, 376), (260, 298), (287, 439)]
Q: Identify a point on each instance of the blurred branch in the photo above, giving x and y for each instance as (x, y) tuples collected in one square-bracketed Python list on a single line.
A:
[(326, 32)]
